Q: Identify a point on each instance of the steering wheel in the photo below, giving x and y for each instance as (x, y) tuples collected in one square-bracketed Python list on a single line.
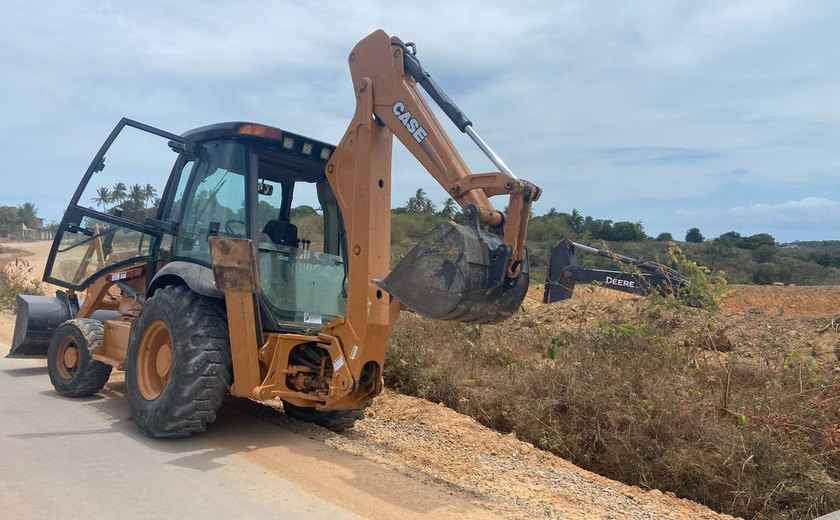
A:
[(230, 231)]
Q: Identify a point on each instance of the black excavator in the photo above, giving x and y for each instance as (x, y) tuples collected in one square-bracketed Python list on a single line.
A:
[(641, 277)]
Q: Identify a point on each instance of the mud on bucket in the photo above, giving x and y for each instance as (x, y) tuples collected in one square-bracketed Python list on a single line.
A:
[(457, 273)]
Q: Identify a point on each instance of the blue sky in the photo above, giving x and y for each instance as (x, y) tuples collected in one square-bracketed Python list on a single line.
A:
[(721, 115)]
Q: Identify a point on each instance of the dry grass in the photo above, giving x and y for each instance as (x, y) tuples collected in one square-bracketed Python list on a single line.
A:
[(653, 404), (17, 277)]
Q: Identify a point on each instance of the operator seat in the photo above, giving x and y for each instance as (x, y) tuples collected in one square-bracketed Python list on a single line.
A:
[(282, 233)]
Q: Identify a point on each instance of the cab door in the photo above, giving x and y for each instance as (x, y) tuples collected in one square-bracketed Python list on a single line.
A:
[(114, 217)]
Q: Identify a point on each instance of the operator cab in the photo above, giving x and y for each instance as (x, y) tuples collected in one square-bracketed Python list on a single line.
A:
[(236, 179), (267, 185)]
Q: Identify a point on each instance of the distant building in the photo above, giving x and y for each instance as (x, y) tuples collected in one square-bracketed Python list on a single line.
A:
[(39, 232), (11, 227)]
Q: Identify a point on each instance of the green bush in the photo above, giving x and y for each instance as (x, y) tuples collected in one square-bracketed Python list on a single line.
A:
[(765, 274), (764, 254), (694, 235), (706, 289)]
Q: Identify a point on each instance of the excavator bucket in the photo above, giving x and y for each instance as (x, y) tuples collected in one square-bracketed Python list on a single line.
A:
[(458, 273)]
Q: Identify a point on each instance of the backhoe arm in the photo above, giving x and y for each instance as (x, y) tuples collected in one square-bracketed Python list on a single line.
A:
[(390, 69), (477, 272), (641, 277)]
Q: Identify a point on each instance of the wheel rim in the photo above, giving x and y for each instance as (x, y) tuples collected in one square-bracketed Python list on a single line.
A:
[(67, 358), (154, 360)]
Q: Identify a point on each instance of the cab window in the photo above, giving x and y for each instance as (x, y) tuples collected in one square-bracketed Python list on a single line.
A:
[(214, 201)]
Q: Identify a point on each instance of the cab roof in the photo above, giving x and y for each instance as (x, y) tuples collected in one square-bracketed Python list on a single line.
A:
[(290, 142)]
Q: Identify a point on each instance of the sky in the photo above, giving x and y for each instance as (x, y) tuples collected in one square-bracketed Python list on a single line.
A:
[(719, 115)]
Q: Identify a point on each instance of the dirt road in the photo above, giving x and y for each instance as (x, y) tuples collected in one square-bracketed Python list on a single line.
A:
[(410, 459)]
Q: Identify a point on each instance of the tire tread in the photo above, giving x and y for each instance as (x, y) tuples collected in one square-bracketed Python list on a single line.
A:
[(92, 376), (198, 385)]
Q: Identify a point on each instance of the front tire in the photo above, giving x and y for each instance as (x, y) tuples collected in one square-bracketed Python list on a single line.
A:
[(72, 370), (178, 366)]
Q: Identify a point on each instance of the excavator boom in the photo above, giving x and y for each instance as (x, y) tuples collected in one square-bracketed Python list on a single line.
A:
[(640, 277), (476, 271)]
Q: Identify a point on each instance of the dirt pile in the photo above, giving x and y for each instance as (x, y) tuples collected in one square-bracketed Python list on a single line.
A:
[(497, 472), (720, 407), (820, 300), (803, 319), (514, 478)]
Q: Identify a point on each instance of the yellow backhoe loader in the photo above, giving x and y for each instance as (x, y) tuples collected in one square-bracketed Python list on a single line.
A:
[(217, 289)]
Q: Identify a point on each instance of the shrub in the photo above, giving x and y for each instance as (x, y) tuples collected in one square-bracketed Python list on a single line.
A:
[(16, 277), (764, 254), (706, 289), (765, 274), (694, 235)]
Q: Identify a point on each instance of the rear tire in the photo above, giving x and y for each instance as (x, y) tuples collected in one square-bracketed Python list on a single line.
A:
[(337, 421), (72, 371), (178, 366)]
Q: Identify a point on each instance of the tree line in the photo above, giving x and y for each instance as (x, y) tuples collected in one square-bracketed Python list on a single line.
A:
[(574, 224), (136, 201), (746, 258)]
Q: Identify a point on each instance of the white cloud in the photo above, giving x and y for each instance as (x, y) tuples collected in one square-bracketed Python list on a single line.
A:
[(805, 211), (750, 87)]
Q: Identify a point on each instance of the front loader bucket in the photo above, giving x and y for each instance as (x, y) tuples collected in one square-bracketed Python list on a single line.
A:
[(457, 273), (37, 319)]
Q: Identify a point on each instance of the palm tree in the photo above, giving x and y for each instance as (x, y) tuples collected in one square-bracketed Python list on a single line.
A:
[(449, 209), (102, 198), (137, 196), (420, 203), (27, 214), (576, 221), (119, 193), (134, 204), (151, 193)]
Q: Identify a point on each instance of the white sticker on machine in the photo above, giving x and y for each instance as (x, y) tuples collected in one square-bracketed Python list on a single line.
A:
[(339, 362), (312, 318), (354, 351)]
